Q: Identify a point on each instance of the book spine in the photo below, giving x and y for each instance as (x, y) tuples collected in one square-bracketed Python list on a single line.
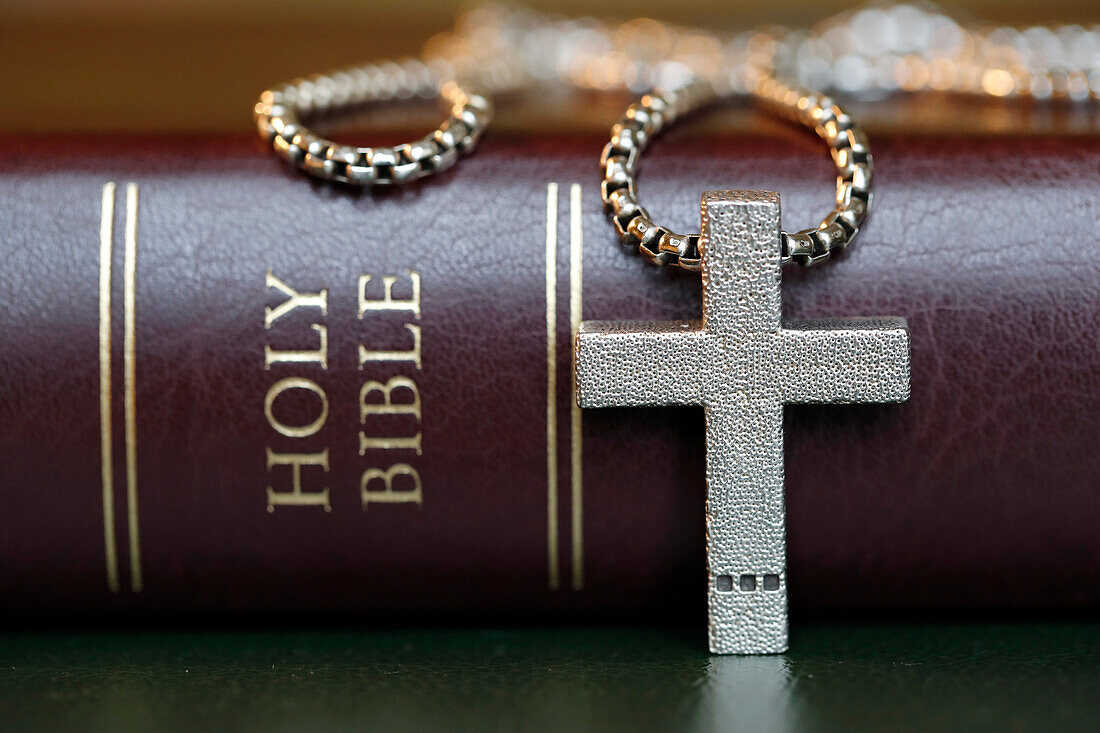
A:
[(223, 386)]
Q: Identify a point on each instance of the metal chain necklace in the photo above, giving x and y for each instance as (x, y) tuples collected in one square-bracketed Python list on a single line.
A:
[(742, 362), (646, 118), (871, 52)]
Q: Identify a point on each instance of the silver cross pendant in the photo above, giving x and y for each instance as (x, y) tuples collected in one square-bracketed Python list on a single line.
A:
[(742, 363)]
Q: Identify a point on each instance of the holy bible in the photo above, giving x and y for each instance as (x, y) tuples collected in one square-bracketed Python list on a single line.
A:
[(225, 386)]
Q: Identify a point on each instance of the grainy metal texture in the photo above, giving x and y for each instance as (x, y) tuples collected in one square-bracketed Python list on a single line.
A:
[(742, 364)]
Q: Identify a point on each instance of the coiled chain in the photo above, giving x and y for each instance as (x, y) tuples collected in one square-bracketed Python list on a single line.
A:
[(868, 52), (646, 119), (279, 112)]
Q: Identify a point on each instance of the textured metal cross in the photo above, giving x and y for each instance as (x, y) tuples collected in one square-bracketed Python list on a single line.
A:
[(742, 364)]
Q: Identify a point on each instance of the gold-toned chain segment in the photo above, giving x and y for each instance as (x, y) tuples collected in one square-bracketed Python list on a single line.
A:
[(279, 115), (646, 119), (874, 51)]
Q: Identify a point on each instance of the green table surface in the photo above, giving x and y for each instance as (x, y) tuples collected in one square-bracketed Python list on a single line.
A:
[(1000, 677)]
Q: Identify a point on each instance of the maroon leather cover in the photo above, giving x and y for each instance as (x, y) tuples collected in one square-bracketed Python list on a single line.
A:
[(982, 491)]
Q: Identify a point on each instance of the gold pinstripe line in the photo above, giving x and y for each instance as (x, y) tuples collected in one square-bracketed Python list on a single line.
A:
[(576, 271), (554, 569), (130, 383), (106, 237)]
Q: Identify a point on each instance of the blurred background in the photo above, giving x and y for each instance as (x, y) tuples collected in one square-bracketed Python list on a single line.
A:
[(196, 66)]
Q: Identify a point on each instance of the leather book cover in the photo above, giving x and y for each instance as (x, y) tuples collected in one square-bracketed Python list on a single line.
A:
[(226, 387)]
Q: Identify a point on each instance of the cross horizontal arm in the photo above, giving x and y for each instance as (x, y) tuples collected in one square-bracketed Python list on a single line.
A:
[(635, 363), (845, 360)]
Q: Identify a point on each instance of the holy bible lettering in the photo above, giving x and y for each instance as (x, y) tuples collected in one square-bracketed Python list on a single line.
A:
[(398, 396), (389, 406), (306, 469)]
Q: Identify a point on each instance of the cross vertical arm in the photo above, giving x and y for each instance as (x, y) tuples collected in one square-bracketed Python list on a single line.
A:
[(746, 529), (845, 360), (630, 364), (741, 254)]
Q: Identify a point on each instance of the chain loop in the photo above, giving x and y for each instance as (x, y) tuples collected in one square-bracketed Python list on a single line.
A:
[(280, 111), (645, 119)]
